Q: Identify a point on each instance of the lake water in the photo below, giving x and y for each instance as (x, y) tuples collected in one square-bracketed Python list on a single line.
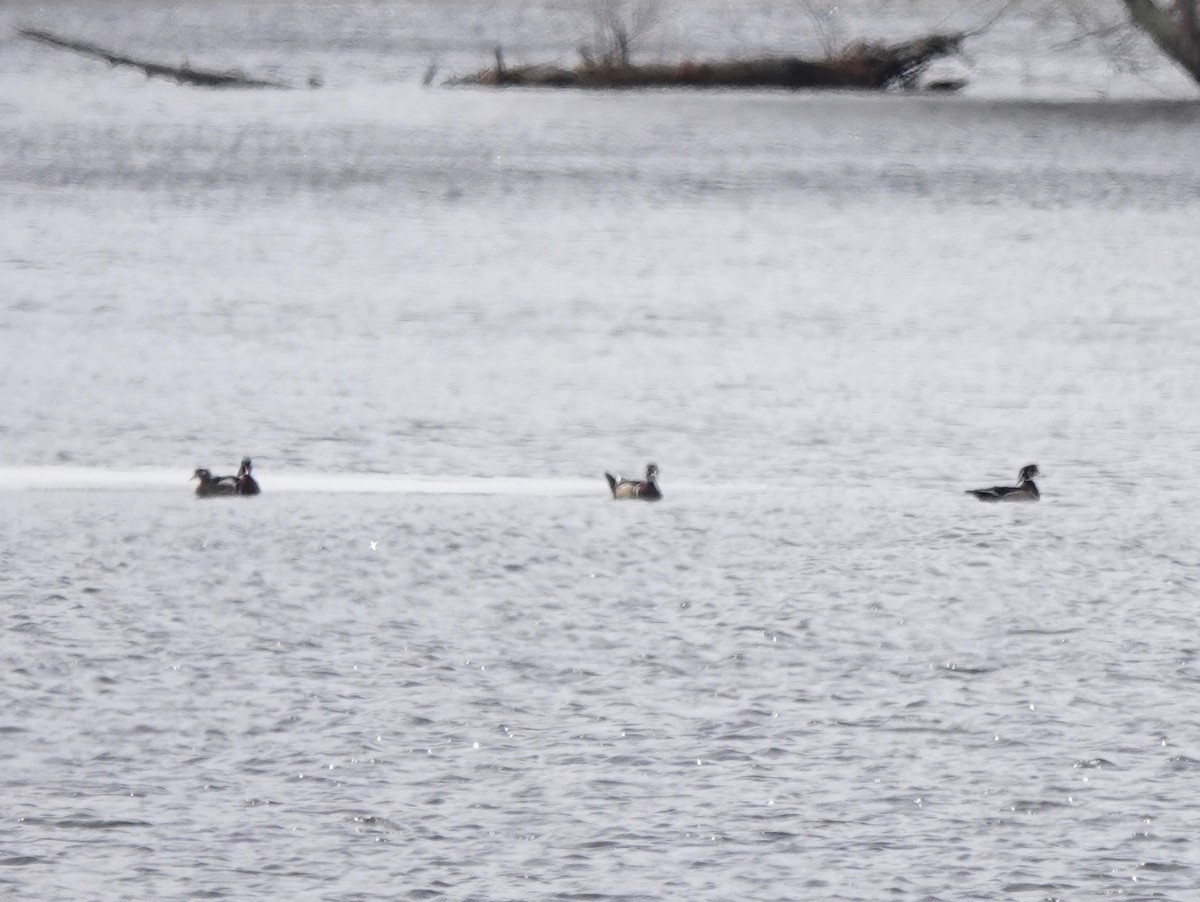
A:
[(434, 660)]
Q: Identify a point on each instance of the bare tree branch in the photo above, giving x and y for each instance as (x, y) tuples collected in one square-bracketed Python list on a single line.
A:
[(827, 24), (617, 26)]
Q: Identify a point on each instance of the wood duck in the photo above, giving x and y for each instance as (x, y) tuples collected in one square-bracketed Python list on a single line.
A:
[(1026, 491), (643, 489), (212, 486), (245, 482)]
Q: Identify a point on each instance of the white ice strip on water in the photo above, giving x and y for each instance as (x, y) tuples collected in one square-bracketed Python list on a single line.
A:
[(103, 479)]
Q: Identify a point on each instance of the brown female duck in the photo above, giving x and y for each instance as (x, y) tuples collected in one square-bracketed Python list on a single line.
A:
[(214, 486)]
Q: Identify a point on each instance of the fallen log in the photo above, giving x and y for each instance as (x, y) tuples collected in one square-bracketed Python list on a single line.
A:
[(863, 65), (185, 74)]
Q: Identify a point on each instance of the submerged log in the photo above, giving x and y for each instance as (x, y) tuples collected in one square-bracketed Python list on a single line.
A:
[(864, 65), (185, 74)]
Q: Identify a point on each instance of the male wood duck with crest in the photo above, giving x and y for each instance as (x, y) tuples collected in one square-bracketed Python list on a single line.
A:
[(214, 486), (642, 489), (1026, 491), (246, 484)]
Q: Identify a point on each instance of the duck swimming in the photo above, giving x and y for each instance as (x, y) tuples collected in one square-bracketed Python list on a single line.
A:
[(643, 489), (213, 486), (245, 482), (1026, 491)]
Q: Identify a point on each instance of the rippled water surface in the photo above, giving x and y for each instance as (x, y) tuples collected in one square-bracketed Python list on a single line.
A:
[(433, 659)]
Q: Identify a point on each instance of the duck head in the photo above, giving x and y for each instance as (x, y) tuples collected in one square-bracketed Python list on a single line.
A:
[(1028, 472), (651, 472)]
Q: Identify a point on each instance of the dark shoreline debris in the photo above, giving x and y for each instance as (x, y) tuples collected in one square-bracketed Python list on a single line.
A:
[(864, 65)]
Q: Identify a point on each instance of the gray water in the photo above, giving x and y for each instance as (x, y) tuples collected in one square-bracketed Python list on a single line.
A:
[(434, 659)]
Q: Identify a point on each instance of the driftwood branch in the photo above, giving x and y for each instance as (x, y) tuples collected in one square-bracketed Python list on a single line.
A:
[(184, 75), (862, 65)]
